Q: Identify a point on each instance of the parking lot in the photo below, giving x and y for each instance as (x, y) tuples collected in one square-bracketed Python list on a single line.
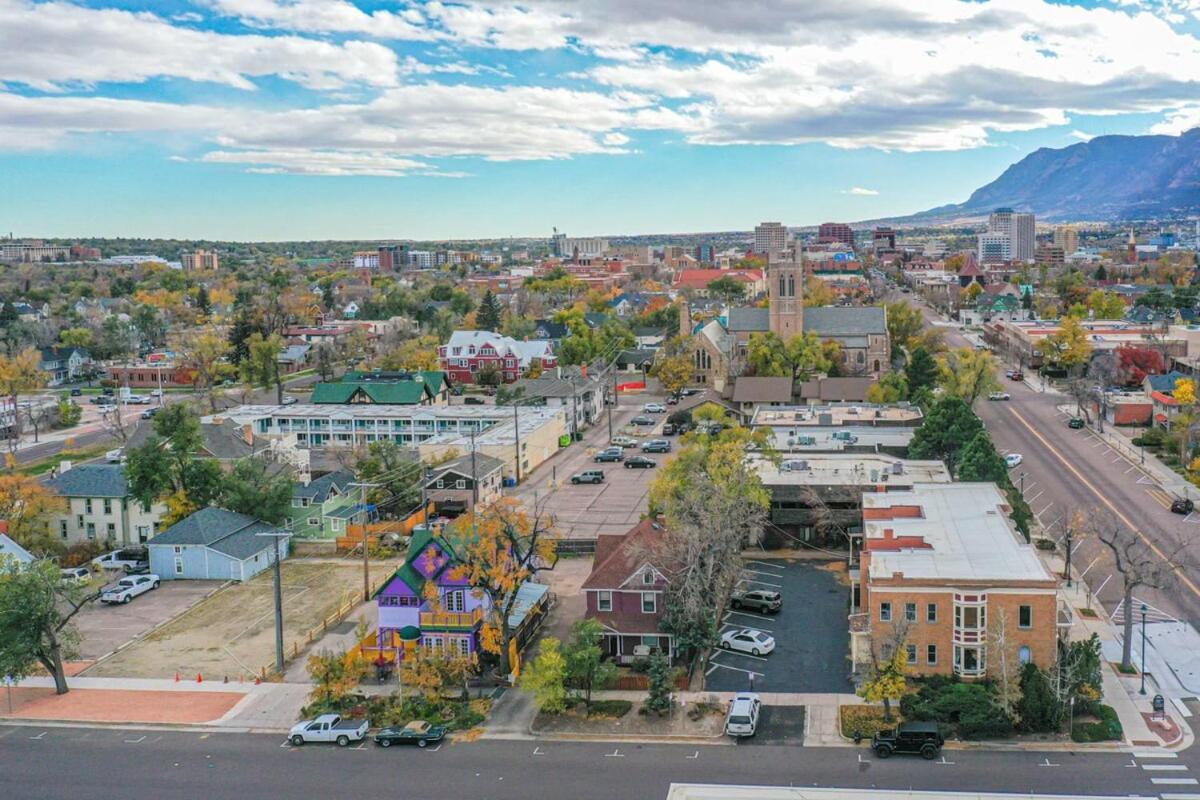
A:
[(584, 511), (812, 641), (103, 628)]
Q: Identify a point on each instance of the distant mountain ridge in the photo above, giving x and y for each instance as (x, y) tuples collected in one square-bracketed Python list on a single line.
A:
[(1106, 179)]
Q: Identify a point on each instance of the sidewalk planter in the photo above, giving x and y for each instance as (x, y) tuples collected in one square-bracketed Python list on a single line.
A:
[(1107, 727), (862, 722)]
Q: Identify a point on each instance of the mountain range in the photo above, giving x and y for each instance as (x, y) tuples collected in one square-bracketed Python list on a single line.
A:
[(1108, 178)]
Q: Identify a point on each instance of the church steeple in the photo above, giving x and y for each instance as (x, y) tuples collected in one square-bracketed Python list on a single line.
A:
[(785, 294)]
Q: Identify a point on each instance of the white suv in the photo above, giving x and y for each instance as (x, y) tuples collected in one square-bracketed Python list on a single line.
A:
[(742, 719)]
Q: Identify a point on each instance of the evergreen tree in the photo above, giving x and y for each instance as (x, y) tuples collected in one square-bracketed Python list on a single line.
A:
[(1038, 709), (202, 301), (244, 326), (949, 424), (921, 372), (658, 698), (488, 316), (1101, 273), (979, 461)]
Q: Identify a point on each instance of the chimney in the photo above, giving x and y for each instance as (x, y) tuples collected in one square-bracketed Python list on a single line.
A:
[(248, 434), (889, 534)]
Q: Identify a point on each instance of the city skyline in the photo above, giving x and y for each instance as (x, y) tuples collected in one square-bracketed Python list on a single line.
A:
[(272, 120)]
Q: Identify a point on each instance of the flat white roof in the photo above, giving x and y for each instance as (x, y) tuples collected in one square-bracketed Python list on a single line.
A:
[(820, 439), (835, 414), (971, 538), (848, 469)]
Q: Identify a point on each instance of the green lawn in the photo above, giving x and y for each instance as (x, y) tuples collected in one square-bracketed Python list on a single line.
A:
[(46, 464)]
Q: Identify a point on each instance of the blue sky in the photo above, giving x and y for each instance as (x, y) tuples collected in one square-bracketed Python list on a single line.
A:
[(332, 119)]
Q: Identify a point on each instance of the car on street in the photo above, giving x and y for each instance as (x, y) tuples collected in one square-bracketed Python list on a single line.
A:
[(1182, 505), (656, 446), (471, 400), (128, 588), (418, 732), (115, 456), (688, 392), (673, 400), (748, 640), (1075, 423), (999, 396), (916, 738), (641, 421), (290, 401), (157, 393), (588, 476), (138, 400), (76, 392), (610, 454), (1017, 376), (742, 719), (102, 400), (654, 408), (1013, 460), (640, 462), (624, 441), (76, 575), (149, 413), (127, 560), (328, 728), (762, 600)]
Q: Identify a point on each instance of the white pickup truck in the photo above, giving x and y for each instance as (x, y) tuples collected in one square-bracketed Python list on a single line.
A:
[(128, 588), (130, 559), (329, 728)]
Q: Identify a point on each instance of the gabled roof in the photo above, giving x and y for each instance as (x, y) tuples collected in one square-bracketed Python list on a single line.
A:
[(320, 489), (396, 393), (623, 555), (13, 550), (762, 390), (551, 330), (484, 465), (749, 319), (91, 480), (435, 378), (1165, 382), (227, 532), (845, 321)]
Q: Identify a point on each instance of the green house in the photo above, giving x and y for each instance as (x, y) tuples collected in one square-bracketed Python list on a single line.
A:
[(322, 508), (384, 388)]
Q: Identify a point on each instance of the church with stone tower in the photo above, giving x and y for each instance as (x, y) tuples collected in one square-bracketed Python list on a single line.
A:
[(785, 295)]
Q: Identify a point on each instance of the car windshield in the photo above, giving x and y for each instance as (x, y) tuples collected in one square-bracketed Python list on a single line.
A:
[(739, 719)]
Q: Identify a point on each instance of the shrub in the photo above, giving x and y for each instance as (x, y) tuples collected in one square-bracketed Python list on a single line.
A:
[(864, 721), (965, 708), (1045, 544), (1038, 707), (1107, 727), (984, 724), (611, 708)]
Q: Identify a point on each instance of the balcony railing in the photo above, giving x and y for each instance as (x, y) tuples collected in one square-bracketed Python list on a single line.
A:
[(451, 619)]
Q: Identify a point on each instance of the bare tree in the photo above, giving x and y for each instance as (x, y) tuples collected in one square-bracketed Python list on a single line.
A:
[(41, 415), (1102, 373), (115, 424), (1004, 663), (1139, 565)]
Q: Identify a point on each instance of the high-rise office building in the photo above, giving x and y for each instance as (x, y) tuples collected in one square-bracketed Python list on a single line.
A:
[(829, 232), (1067, 238), (1018, 227), (199, 260), (770, 237)]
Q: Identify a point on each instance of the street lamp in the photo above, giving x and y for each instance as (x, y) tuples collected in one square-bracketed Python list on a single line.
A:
[(1070, 534), (1143, 689), (276, 536), (1022, 480)]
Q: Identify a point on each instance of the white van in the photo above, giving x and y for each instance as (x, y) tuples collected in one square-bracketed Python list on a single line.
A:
[(742, 719)]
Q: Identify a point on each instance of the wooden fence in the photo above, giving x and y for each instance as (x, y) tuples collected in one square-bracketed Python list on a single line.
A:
[(377, 530), (638, 682)]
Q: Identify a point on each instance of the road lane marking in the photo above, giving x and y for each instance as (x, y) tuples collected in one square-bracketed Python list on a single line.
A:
[(694, 755), (1175, 781), (614, 754), (138, 740), (1188, 582), (1047, 763), (1153, 754), (537, 751), (731, 626), (1165, 767), (735, 669), (1184, 796), (740, 654), (39, 736), (1035, 497)]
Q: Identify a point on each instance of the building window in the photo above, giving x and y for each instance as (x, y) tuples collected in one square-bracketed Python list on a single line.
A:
[(112, 531), (604, 601), (885, 612), (454, 601), (464, 646), (62, 528), (910, 653), (107, 506), (91, 530), (179, 566), (87, 505), (1025, 655), (648, 577), (314, 521), (931, 612), (460, 484), (931, 654), (177, 549), (649, 602), (1024, 616), (910, 612), (441, 484)]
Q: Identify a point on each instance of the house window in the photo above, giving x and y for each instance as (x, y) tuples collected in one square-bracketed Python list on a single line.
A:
[(1024, 616), (314, 521), (91, 530), (604, 601), (931, 612), (441, 484), (107, 506), (460, 484), (649, 602), (454, 601), (112, 531), (910, 612), (87, 505), (464, 646), (648, 577), (931, 654), (79, 520), (179, 566), (1025, 655), (62, 528), (178, 549), (885, 612), (910, 653)]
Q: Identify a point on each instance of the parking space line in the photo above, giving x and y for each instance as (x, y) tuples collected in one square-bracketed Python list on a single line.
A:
[(1175, 781), (736, 669), (757, 582), (748, 614), (766, 564), (760, 572), (740, 654), (1035, 497), (730, 625)]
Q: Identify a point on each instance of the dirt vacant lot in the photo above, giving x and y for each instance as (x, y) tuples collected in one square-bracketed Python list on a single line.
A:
[(232, 633)]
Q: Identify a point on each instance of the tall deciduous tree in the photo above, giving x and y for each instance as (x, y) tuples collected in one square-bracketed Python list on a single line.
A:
[(20, 373), (545, 676), (799, 358), (36, 612), (674, 372), (587, 669), (904, 323), (27, 505), (254, 489), (261, 365), (969, 374), (1068, 348), (205, 353)]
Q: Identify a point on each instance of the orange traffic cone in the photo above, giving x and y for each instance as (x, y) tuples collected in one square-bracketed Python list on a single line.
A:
[(257, 680), (199, 678), (177, 677)]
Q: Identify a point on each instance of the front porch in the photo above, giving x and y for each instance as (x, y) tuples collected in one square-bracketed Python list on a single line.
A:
[(624, 649)]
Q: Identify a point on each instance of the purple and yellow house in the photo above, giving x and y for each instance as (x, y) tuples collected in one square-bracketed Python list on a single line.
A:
[(407, 617)]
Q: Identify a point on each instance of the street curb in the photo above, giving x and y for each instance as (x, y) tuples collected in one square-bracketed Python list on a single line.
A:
[(135, 726), (716, 741)]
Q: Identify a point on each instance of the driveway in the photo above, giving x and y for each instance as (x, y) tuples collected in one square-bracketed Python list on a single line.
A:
[(103, 629), (778, 725), (812, 640)]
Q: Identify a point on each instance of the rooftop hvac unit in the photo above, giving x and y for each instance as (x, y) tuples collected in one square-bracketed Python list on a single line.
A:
[(898, 468)]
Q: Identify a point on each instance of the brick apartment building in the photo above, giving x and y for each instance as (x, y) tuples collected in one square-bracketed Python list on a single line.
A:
[(469, 353), (945, 575)]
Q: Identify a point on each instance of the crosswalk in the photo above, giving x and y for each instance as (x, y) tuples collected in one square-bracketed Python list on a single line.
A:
[(1152, 614), (1166, 773)]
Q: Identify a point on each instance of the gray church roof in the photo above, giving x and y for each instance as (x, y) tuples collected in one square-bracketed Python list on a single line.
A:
[(749, 319), (841, 321)]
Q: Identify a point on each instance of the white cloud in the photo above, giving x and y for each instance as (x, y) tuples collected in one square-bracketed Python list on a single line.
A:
[(1180, 120), (307, 161), (1083, 136), (57, 45), (326, 16), (860, 191)]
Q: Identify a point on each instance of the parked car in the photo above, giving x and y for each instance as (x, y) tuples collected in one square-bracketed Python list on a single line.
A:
[(76, 392), (610, 454), (909, 737), (1017, 376), (999, 396), (669, 429), (656, 446), (1075, 423), (128, 588), (102, 400), (761, 600), (588, 476), (472, 400), (1181, 505), (748, 640), (418, 732), (78, 575), (157, 393), (742, 719), (290, 401), (149, 413), (115, 456), (624, 441), (640, 462), (642, 421), (654, 408), (328, 728), (1013, 460), (138, 400), (689, 392), (128, 559), (673, 400)]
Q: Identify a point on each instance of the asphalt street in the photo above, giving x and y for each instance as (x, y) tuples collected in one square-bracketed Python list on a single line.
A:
[(63, 763)]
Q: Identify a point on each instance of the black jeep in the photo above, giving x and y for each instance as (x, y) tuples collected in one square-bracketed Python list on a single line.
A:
[(909, 737)]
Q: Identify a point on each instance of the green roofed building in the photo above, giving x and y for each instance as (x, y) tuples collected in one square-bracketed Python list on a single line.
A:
[(425, 388)]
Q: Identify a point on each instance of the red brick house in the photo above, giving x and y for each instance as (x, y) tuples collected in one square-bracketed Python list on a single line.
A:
[(626, 593), (470, 352)]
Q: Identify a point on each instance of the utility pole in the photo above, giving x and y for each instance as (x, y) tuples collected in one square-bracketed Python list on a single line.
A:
[(276, 536), (474, 475), (517, 438), (362, 509), (575, 410), (611, 404)]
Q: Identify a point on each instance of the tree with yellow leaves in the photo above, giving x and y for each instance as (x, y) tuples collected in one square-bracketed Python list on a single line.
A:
[(432, 672), (418, 353), (887, 682), (205, 352), (20, 373), (674, 372), (1185, 392), (334, 675), (818, 293), (968, 373), (27, 505), (1068, 348), (498, 549)]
